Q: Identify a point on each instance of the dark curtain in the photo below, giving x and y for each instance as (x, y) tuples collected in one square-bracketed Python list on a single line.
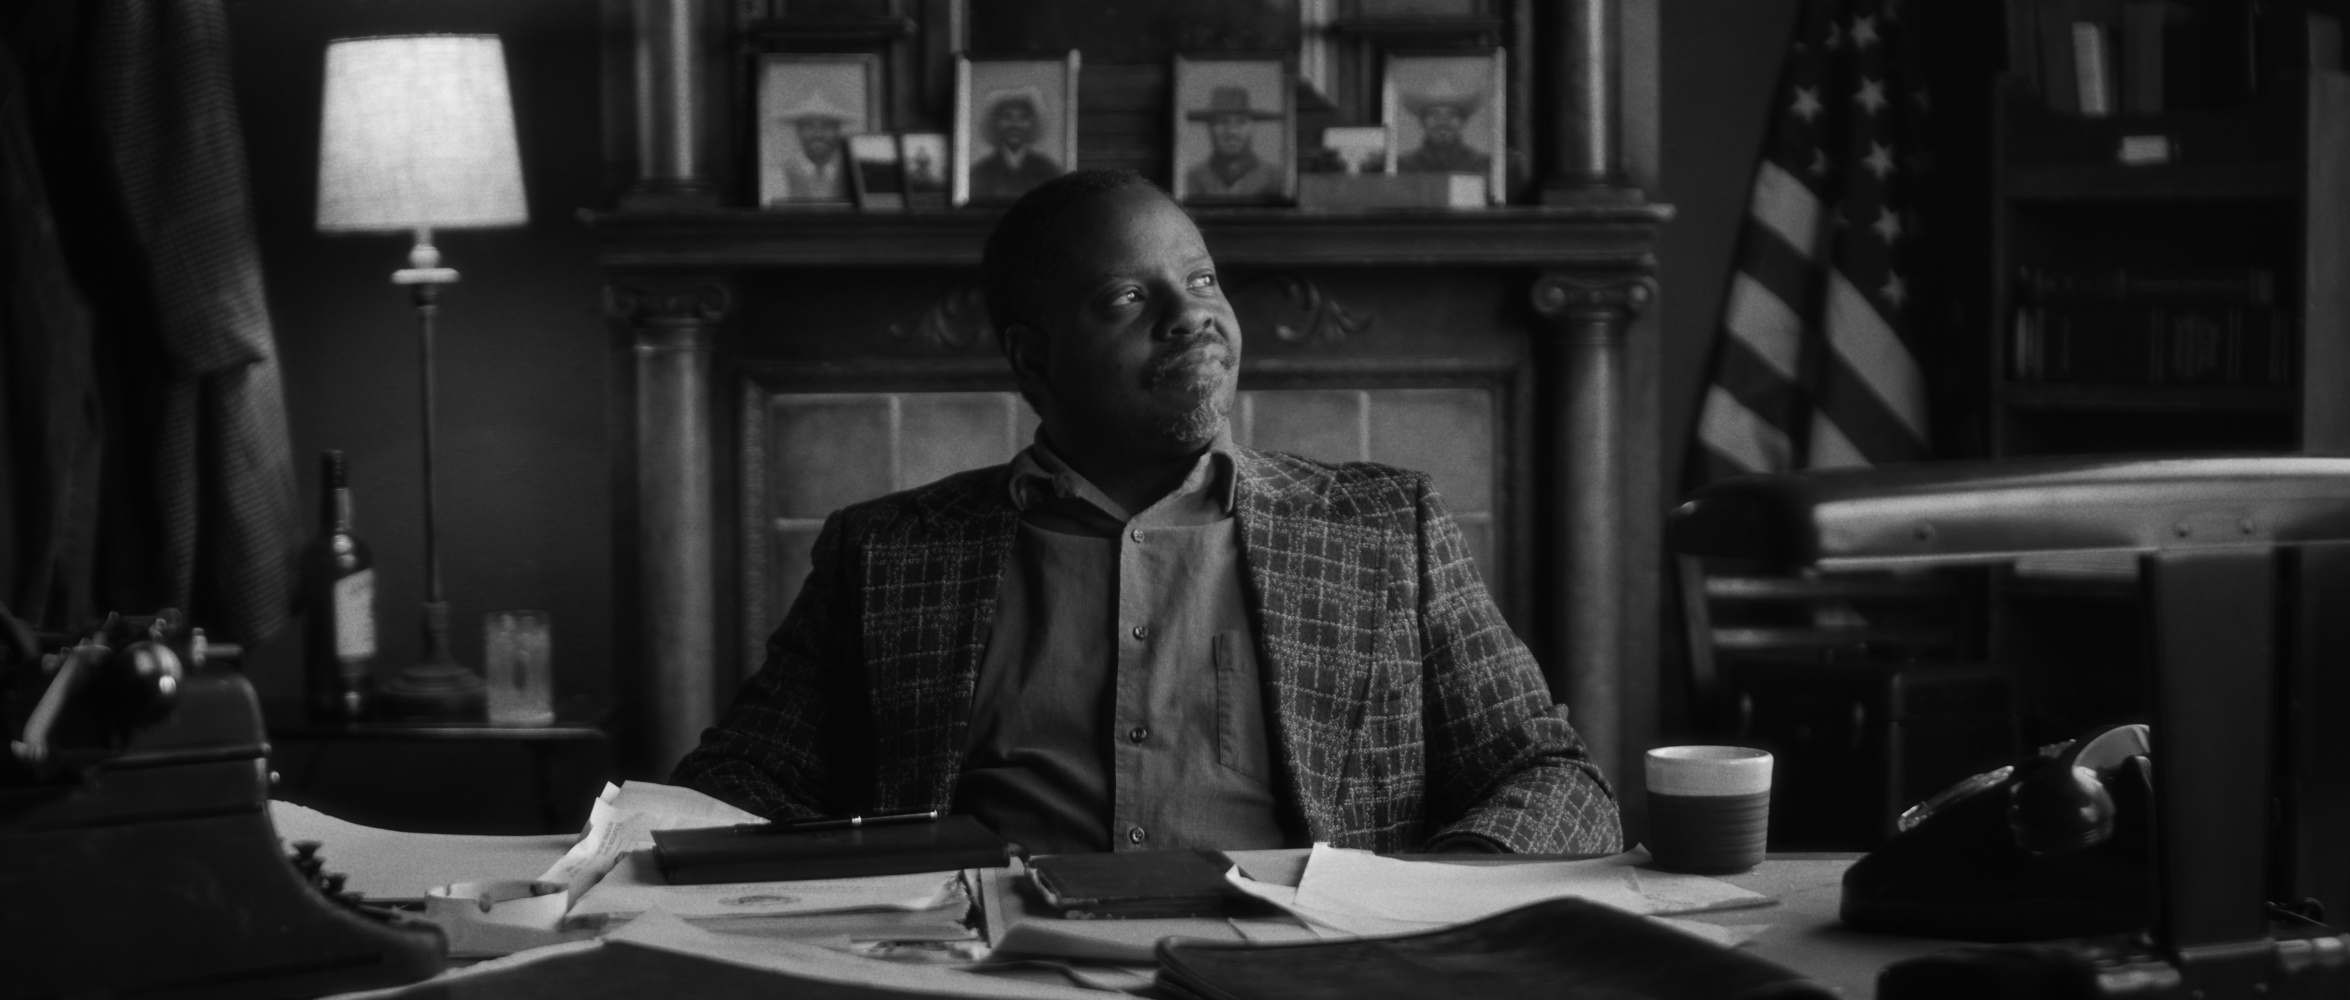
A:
[(147, 462)]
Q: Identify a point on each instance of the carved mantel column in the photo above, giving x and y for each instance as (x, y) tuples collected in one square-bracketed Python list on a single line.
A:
[(675, 321), (671, 67), (1587, 319)]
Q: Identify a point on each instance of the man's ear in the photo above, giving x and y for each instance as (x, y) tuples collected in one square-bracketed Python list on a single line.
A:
[(1030, 353)]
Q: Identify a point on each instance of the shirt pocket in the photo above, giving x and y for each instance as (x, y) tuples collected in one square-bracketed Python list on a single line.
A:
[(1240, 708)]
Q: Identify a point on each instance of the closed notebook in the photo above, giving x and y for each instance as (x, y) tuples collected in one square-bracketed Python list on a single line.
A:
[(1135, 883), (1560, 949), (705, 855)]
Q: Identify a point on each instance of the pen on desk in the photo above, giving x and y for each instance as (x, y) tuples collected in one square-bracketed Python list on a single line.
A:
[(843, 823)]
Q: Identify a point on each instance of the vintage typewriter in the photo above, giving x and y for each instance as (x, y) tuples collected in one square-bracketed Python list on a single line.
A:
[(136, 851)]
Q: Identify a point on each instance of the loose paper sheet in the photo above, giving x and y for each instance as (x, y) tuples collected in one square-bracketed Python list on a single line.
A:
[(623, 819), (634, 886), (793, 962), (1346, 892), (391, 865)]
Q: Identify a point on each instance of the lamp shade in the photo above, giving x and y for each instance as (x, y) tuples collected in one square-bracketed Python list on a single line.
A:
[(418, 133)]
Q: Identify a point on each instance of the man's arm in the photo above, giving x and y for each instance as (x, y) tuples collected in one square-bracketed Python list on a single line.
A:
[(1503, 767), (790, 744)]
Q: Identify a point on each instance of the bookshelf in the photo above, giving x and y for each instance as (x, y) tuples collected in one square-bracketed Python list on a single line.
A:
[(2257, 189), (2176, 282)]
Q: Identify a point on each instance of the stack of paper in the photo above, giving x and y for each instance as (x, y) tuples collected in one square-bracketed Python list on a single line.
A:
[(926, 907), (1357, 893)]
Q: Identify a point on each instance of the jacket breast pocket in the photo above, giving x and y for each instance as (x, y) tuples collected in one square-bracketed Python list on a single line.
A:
[(1240, 707)]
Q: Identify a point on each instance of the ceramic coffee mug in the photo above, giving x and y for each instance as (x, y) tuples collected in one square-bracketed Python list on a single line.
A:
[(1708, 808)]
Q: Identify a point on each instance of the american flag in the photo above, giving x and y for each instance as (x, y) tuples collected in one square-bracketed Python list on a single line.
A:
[(1816, 363)]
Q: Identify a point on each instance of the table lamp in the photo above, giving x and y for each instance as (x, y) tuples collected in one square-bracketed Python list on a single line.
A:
[(417, 134), (2214, 538)]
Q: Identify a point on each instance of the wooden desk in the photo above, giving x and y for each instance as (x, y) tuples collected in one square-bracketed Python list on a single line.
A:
[(1803, 934)]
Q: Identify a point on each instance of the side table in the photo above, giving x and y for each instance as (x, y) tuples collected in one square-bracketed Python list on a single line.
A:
[(444, 777)]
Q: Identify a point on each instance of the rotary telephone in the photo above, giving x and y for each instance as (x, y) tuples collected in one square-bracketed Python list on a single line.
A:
[(2058, 844)]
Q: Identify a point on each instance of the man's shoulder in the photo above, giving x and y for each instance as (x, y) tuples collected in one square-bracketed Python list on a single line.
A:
[(1336, 489)]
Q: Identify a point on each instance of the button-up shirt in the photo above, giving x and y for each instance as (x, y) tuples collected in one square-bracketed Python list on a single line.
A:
[(1118, 705)]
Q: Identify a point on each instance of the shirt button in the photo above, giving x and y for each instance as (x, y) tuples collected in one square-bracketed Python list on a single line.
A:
[(1136, 534), (1142, 631), (1138, 734), (1136, 836)]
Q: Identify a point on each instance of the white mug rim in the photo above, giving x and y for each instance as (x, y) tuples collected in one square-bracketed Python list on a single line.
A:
[(1708, 770)]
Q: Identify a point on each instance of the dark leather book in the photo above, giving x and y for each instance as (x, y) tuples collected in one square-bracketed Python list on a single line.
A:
[(1135, 884), (1560, 949), (707, 855)]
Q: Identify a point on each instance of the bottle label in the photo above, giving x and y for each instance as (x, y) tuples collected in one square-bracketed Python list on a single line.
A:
[(355, 616)]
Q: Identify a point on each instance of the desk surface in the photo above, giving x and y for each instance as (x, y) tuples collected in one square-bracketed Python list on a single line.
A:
[(1803, 933)]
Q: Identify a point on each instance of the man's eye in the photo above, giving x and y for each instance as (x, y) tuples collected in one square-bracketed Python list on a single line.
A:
[(1125, 296), (1204, 279)]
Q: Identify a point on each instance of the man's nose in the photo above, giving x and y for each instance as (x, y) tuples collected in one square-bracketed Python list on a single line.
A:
[(1191, 316)]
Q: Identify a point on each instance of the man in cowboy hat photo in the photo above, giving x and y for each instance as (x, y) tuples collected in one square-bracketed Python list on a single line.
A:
[(817, 171), (1015, 164), (1443, 110), (1232, 170)]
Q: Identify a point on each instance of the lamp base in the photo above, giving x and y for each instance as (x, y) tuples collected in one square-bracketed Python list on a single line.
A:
[(438, 689), (433, 692)]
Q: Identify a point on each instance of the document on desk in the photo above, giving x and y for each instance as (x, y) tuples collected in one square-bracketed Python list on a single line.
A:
[(398, 865), (634, 886), (1359, 893), (822, 971), (623, 819)]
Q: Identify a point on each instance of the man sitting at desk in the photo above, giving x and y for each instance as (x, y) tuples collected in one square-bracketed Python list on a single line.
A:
[(1139, 634)]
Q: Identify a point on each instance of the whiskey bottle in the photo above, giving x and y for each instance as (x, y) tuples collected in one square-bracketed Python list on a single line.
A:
[(339, 590)]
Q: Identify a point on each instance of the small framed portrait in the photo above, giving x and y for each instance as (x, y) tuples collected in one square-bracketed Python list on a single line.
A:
[(925, 155), (880, 177), (1444, 115), (1015, 126), (1235, 131), (808, 105)]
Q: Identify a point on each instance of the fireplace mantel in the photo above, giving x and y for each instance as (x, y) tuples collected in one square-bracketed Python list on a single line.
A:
[(1621, 236)]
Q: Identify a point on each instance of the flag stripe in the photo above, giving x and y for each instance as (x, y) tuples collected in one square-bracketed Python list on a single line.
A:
[(1786, 206), (1873, 352), (1766, 325), (1830, 449), (1740, 436)]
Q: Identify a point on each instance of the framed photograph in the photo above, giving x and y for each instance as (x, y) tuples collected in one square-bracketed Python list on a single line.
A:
[(925, 156), (1444, 115), (808, 104), (880, 177), (1015, 126), (1235, 131)]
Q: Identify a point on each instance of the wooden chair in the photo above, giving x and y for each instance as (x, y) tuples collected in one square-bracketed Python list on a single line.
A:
[(1867, 687)]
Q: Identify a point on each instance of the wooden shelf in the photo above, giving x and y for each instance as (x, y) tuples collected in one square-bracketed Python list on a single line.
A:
[(2252, 152), (2064, 396), (1602, 236)]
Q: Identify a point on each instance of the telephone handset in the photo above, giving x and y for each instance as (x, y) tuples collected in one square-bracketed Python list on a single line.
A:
[(2059, 844)]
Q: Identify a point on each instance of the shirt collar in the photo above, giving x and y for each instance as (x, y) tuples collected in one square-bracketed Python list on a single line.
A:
[(1039, 475)]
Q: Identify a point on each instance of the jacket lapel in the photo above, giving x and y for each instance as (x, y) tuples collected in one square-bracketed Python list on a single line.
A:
[(1315, 589), (930, 594)]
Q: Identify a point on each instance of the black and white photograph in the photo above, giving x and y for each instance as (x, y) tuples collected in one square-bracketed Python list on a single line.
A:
[(880, 177), (1015, 126), (1245, 499), (807, 107), (1446, 114), (1235, 129), (926, 161)]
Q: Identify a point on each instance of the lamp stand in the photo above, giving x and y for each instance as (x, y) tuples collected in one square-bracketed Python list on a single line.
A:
[(437, 686)]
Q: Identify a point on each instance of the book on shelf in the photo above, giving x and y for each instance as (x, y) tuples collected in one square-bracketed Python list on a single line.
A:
[(2141, 57), (2138, 283), (2177, 343)]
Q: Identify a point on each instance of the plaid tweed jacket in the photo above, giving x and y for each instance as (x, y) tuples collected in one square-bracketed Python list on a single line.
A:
[(1402, 707)]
